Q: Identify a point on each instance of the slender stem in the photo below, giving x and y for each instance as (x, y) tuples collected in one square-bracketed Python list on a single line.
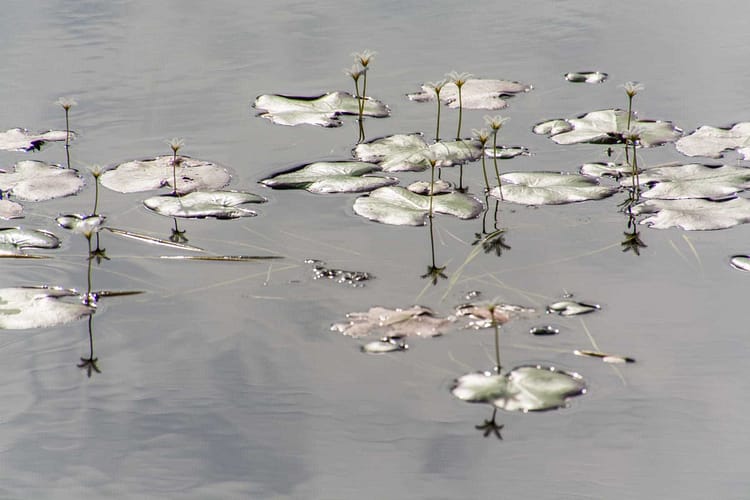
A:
[(91, 336), (96, 197), (460, 113), (484, 171), (497, 339), (437, 129), (88, 275), (432, 184), (461, 178), (630, 109), (174, 172), (360, 107), (494, 159)]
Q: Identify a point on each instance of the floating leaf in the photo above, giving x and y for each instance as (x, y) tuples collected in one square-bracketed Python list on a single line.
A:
[(425, 187), (81, 224), (741, 262), (39, 307), (147, 175), (476, 93), (607, 358), (401, 207), (19, 139), (506, 152), (693, 181), (410, 152), (14, 239), (323, 110), (10, 209), (331, 177), (202, 204), (571, 308), (37, 181), (415, 321), (384, 345), (694, 214), (607, 127), (524, 388), (549, 188), (712, 141), (599, 170), (485, 314), (545, 330), (586, 77), (153, 240)]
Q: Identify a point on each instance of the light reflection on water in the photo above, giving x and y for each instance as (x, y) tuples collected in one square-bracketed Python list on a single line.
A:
[(223, 381)]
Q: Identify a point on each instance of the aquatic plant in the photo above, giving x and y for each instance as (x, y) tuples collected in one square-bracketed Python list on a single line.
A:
[(67, 103), (586, 77), (175, 144), (322, 110), (96, 172), (483, 136), (437, 87), (495, 123), (476, 93), (713, 141), (363, 59), (631, 90), (330, 177), (202, 204), (459, 79), (549, 188), (155, 173), (19, 139)]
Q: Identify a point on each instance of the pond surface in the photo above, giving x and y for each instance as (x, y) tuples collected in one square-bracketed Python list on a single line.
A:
[(223, 379)]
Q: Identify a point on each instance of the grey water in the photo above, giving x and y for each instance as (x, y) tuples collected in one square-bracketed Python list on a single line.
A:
[(223, 380)]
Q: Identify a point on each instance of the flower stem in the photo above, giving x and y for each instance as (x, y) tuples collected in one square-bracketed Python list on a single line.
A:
[(437, 128), (497, 339), (174, 173), (494, 159), (96, 195), (460, 113)]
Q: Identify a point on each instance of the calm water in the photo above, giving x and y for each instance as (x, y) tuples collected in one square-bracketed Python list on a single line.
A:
[(223, 381)]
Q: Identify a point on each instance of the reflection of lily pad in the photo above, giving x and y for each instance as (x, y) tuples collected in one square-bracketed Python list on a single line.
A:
[(694, 214), (712, 141), (693, 181), (410, 152), (476, 93), (394, 323), (202, 204), (323, 110), (18, 139), (607, 127), (525, 388), (23, 308), (146, 175), (14, 239), (549, 188), (37, 181), (331, 177), (401, 207)]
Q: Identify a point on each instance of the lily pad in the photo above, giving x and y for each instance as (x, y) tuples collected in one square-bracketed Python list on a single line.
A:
[(713, 141), (740, 262), (81, 224), (476, 93), (571, 308), (609, 169), (14, 239), (426, 187), (331, 177), (33, 180), (323, 110), (607, 358), (524, 388), (394, 323), (693, 181), (10, 209), (410, 152), (19, 139), (23, 308), (607, 127), (147, 175), (401, 207), (384, 346), (549, 188), (506, 152), (694, 214), (483, 315), (586, 77), (202, 204)]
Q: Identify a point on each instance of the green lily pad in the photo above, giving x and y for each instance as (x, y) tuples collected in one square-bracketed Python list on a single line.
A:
[(19, 139), (13, 240), (410, 152), (607, 127), (384, 346), (694, 214), (10, 209), (549, 188), (586, 77), (416, 321), (147, 175), (202, 204), (33, 180), (693, 181), (524, 388), (571, 308), (331, 177), (323, 110), (401, 207), (39, 307), (609, 169), (740, 262), (476, 93), (713, 141)]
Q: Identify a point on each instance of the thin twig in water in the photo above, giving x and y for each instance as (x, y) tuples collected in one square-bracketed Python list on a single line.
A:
[(596, 348)]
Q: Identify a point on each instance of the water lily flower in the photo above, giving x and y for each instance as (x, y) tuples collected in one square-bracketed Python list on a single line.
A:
[(482, 135), (632, 135), (364, 57), (96, 170), (66, 102), (175, 143), (355, 72), (458, 78), (495, 122), (436, 86), (632, 88)]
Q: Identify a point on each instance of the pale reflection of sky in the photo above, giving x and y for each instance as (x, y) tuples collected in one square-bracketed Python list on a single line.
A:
[(223, 381)]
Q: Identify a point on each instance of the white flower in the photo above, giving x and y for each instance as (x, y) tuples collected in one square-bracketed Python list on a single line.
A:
[(66, 102), (495, 122), (355, 72), (96, 170), (458, 78), (364, 57), (632, 88), (176, 143), (481, 134), (633, 134)]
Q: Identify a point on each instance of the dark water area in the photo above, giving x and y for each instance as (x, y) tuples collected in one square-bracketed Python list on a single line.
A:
[(223, 379)]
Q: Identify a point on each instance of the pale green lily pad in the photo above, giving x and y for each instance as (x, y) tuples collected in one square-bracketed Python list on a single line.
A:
[(524, 388), (488, 315), (19, 139), (401, 207), (410, 152), (426, 187), (323, 110), (155, 173), (202, 204), (81, 224), (13, 240), (384, 346), (476, 93), (415, 321), (586, 77), (571, 308), (506, 152), (609, 169), (33, 180), (24, 308), (331, 177), (713, 141), (694, 214), (607, 127), (10, 210), (693, 181), (549, 188), (740, 262)]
